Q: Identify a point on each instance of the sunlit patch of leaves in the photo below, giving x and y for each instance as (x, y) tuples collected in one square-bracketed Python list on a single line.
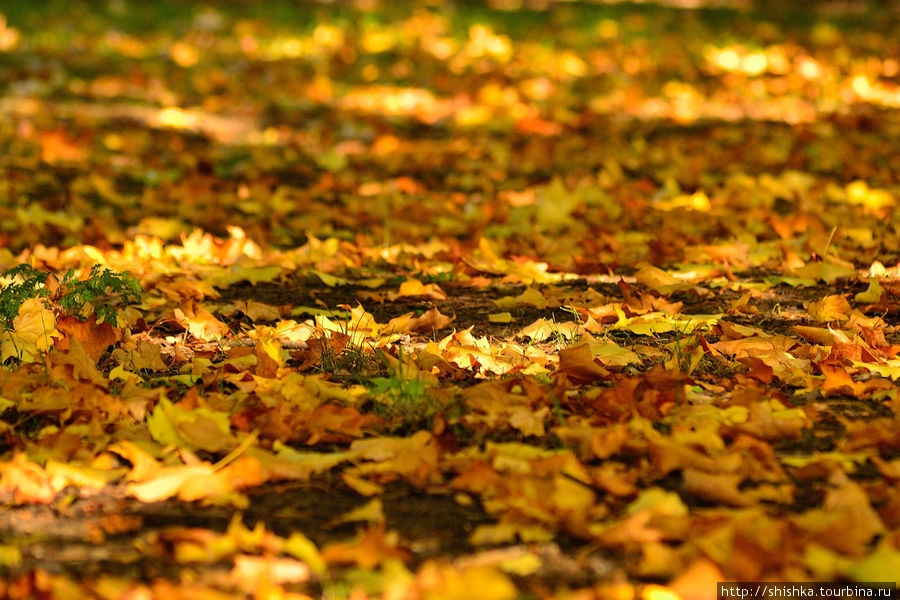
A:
[(455, 144)]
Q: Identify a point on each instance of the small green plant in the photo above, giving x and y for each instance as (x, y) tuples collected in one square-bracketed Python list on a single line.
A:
[(25, 283), (98, 295), (396, 390), (101, 291), (401, 394)]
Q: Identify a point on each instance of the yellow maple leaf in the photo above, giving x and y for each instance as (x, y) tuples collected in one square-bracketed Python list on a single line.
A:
[(197, 429), (33, 331), (834, 307)]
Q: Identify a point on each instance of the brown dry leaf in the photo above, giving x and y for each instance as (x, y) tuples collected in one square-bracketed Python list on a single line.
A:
[(615, 479), (196, 428), (717, 488), (361, 486), (820, 335), (531, 296), (772, 351), (499, 404), (268, 357), (769, 421), (667, 456), (58, 146), (660, 281), (80, 476), (658, 560), (527, 421), (717, 168), (838, 380), (166, 482), (293, 465), (332, 345)]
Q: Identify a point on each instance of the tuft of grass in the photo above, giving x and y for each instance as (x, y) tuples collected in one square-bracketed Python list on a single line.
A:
[(401, 395), (354, 361)]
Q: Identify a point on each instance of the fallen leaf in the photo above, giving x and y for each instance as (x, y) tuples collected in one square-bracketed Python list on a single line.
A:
[(26, 481), (33, 332), (94, 337), (372, 512), (197, 429), (578, 364), (199, 322), (371, 549)]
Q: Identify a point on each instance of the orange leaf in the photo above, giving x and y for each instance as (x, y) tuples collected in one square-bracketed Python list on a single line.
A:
[(332, 423), (26, 480), (369, 551), (94, 337), (837, 380), (431, 320), (698, 581), (83, 366), (830, 308), (414, 287), (143, 465), (578, 364), (199, 322)]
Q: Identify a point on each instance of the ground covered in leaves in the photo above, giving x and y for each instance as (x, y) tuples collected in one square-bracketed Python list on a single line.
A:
[(459, 300)]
